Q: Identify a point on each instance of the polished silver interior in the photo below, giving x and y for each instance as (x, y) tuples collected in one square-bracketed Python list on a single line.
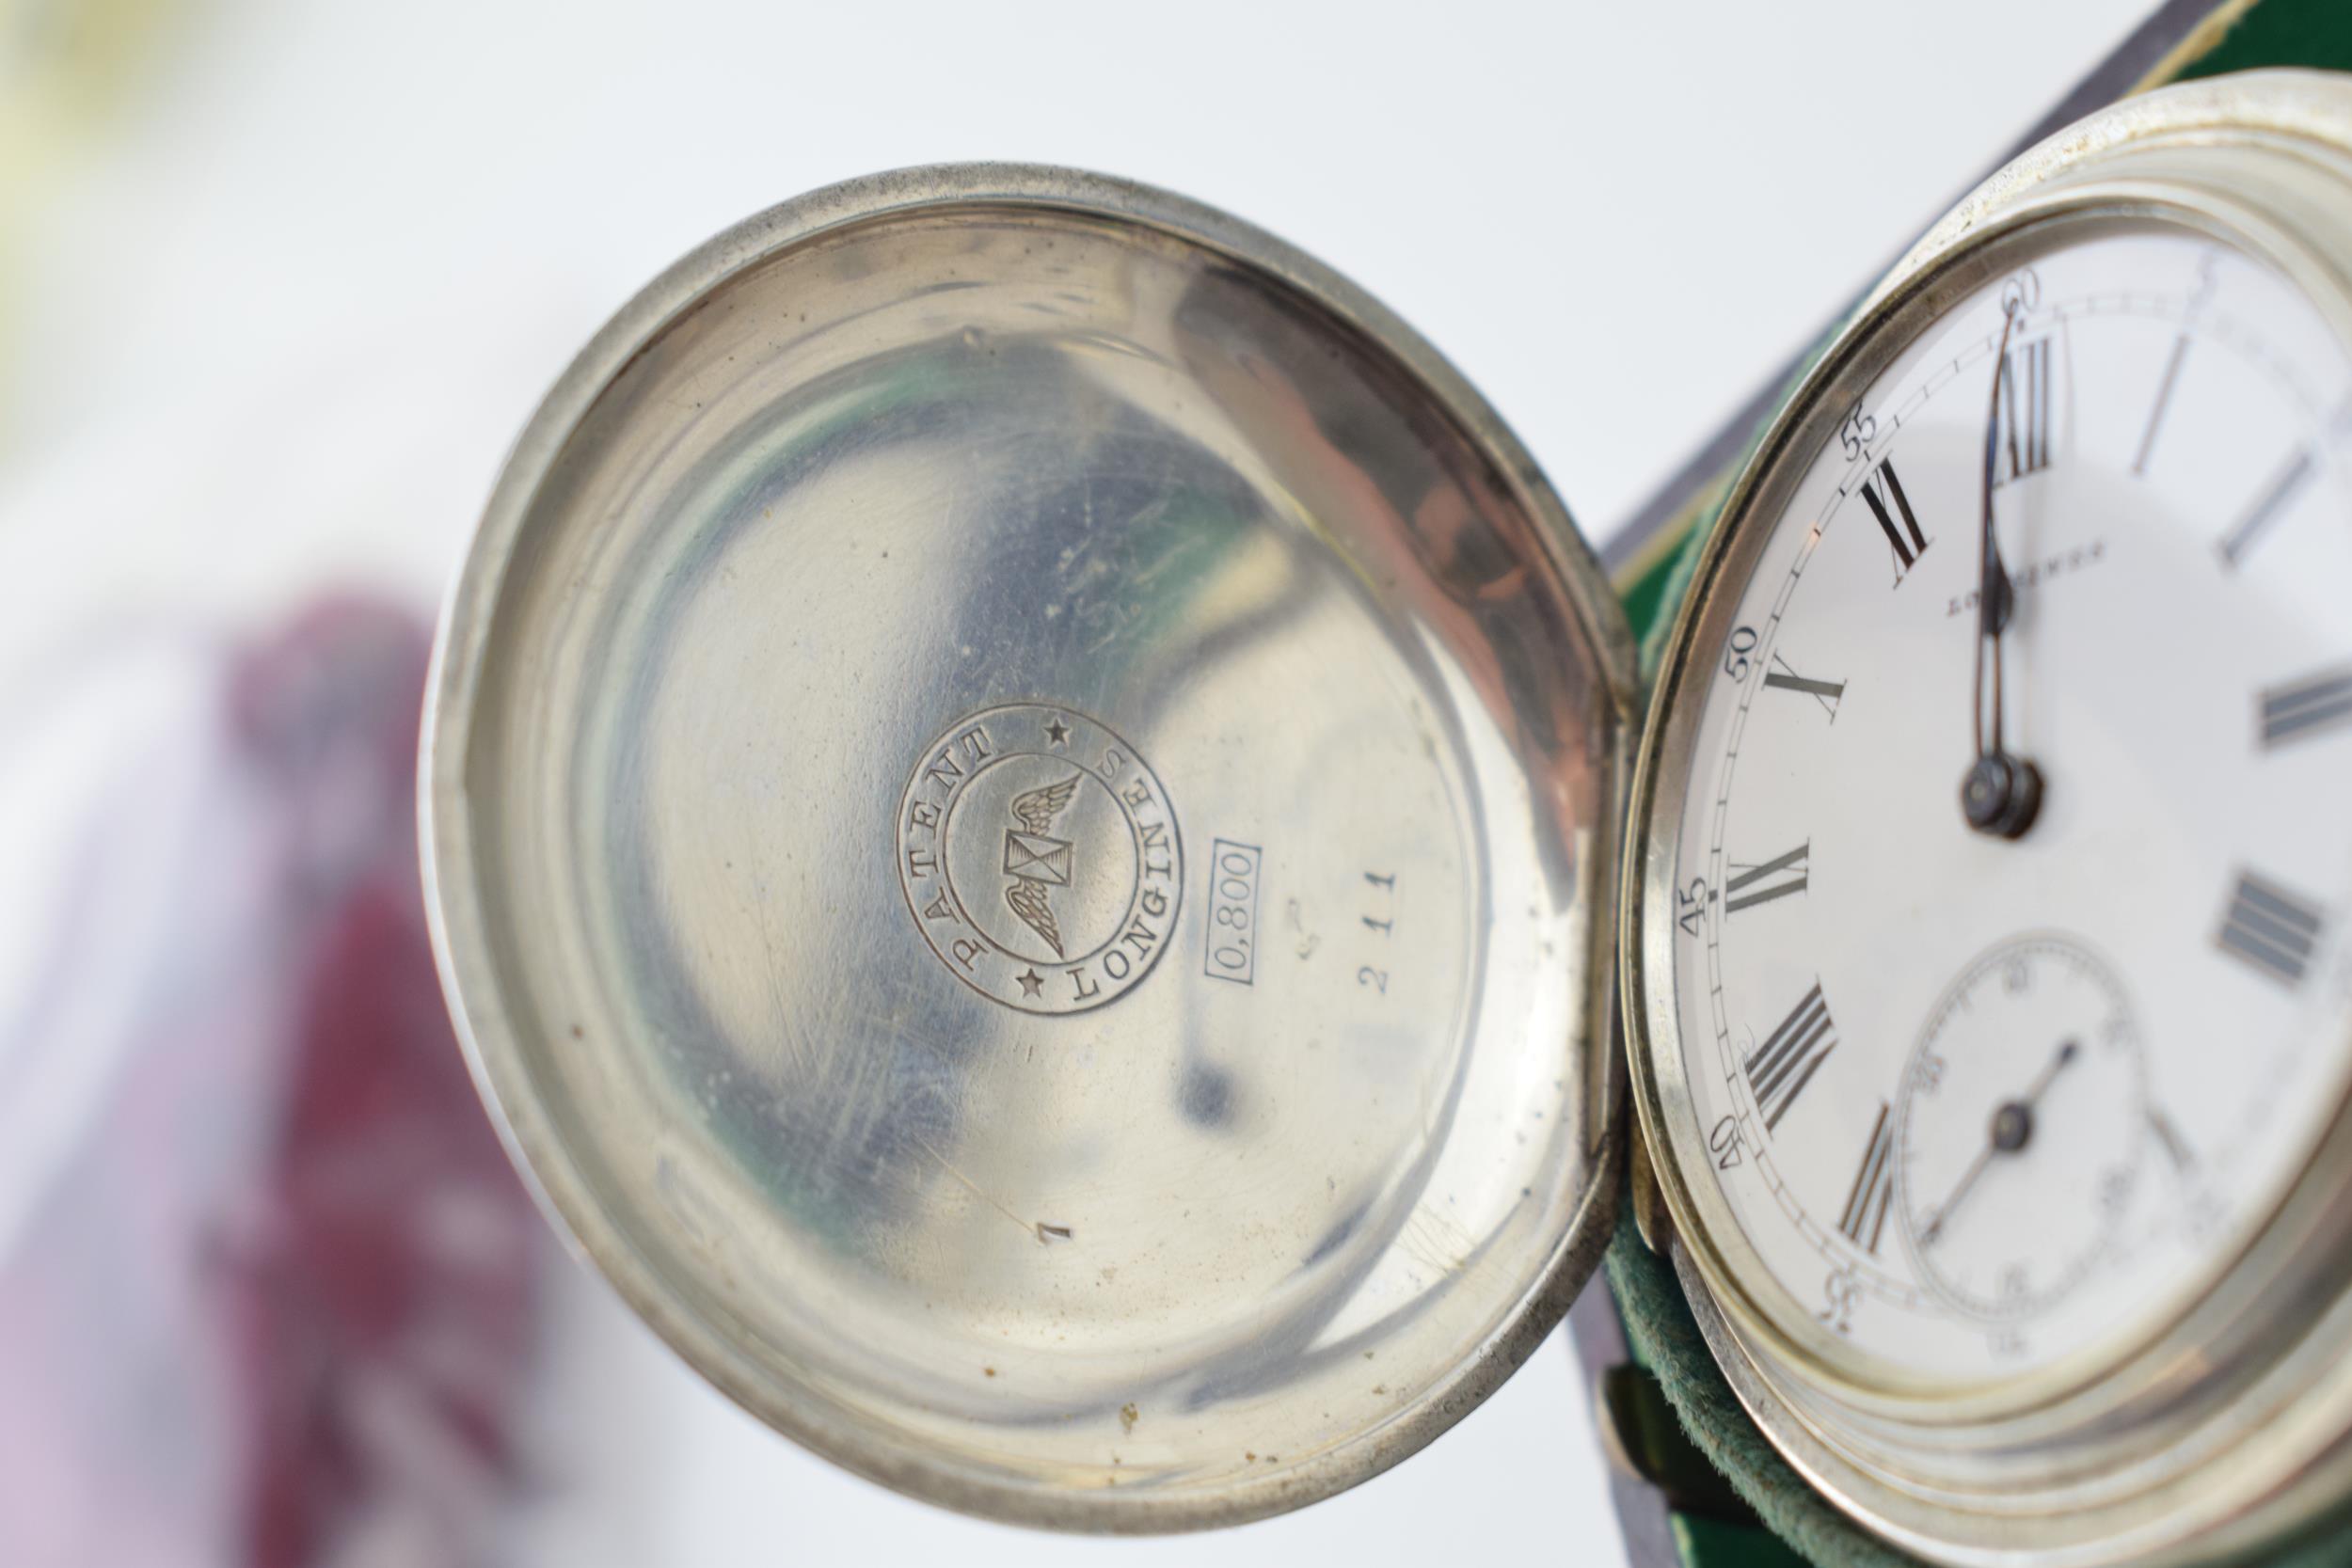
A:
[(1255, 1220)]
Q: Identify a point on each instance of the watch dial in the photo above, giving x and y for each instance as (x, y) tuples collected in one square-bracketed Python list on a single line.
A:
[(1981, 1102)]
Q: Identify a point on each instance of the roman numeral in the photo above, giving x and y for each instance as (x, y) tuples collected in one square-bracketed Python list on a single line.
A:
[(2023, 441), (1786, 1063), (2273, 930), (2277, 496), (1776, 877), (1873, 1186), (1884, 493), (2294, 712), (1827, 694)]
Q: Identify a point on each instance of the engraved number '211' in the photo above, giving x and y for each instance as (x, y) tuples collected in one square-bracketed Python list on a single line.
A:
[(1382, 925)]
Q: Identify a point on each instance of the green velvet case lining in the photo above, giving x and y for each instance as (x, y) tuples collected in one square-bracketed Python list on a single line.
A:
[(1658, 1322), (2314, 34)]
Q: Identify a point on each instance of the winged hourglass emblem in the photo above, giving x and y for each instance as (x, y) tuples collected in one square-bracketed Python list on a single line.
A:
[(1036, 861)]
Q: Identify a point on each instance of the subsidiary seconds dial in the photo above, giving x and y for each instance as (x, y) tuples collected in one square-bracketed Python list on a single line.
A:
[(2029, 1078), (1979, 1091)]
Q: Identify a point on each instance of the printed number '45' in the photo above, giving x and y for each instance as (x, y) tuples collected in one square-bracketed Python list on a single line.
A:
[(1690, 906)]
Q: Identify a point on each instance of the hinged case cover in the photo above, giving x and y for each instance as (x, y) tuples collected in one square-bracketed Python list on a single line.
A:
[(1023, 794)]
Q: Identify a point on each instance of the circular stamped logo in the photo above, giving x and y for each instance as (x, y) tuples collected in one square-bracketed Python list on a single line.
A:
[(1040, 857)]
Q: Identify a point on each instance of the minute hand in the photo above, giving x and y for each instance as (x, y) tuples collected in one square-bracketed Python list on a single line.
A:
[(2001, 793)]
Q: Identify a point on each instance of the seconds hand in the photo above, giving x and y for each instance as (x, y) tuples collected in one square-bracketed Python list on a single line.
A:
[(2000, 793), (2012, 1130)]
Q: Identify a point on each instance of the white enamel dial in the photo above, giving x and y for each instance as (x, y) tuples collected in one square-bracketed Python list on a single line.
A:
[(1979, 1104)]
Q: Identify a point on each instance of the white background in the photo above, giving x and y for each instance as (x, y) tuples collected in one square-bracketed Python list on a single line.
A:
[(273, 323)]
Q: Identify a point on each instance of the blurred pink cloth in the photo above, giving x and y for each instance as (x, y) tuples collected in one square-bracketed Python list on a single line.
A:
[(275, 1305)]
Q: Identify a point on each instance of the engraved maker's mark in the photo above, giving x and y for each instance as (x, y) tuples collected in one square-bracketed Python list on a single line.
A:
[(1036, 861), (1040, 857)]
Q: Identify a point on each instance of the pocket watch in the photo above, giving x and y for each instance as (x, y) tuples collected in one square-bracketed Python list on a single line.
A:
[(1025, 817), (1985, 945)]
